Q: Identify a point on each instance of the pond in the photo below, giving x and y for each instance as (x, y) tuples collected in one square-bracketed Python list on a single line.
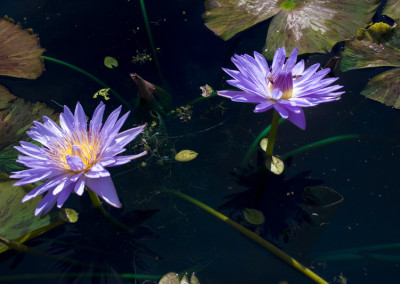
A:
[(331, 216)]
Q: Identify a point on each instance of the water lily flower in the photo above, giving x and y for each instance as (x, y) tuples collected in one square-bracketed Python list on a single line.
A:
[(285, 86), (74, 155)]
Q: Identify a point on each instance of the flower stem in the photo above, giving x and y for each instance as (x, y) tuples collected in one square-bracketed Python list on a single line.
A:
[(87, 74), (97, 204), (253, 236), (272, 134), (255, 143), (319, 143)]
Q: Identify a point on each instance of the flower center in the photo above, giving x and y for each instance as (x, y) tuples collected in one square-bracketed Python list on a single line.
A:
[(283, 82), (74, 145)]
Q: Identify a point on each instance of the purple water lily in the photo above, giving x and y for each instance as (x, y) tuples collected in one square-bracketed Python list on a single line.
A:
[(73, 156), (285, 86)]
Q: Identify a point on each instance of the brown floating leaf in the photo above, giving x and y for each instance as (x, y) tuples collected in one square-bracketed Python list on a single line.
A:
[(19, 51), (392, 9), (385, 88)]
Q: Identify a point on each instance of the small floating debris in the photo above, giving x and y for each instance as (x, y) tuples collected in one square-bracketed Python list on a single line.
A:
[(185, 156)]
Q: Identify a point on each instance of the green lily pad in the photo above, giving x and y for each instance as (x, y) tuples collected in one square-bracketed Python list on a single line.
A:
[(385, 88), (173, 278), (392, 9), (17, 221), (110, 62), (16, 116), (376, 46), (310, 25)]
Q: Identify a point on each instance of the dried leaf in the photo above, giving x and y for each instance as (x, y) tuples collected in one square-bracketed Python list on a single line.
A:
[(19, 51)]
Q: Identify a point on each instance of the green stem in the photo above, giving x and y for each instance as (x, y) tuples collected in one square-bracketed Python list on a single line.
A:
[(151, 41), (74, 275), (87, 74), (97, 204), (255, 143), (272, 134), (320, 143), (254, 237)]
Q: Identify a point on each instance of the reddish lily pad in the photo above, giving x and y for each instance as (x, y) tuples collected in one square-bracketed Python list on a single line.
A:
[(19, 51), (392, 9), (385, 88), (310, 25)]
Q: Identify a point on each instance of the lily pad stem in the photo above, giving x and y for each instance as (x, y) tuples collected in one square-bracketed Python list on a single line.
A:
[(151, 41), (97, 204), (87, 74), (253, 236)]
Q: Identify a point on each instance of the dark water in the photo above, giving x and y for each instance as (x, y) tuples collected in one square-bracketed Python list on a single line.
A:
[(179, 236)]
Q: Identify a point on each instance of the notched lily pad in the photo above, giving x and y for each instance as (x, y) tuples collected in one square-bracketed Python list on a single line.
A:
[(19, 51), (110, 62), (392, 9), (385, 88), (311, 25), (253, 216), (185, 156), (17, 221), (377, 46)]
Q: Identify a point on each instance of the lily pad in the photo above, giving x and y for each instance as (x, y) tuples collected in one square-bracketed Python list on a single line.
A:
[(17, 221), (392, 9), (19, 51), (173, 278), (110, 62), (253, 216), (376, 46), (385, 88), (311, 25), (16, 116), (185, 156)]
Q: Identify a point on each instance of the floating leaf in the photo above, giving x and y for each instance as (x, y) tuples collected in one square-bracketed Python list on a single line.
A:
[(103, 93), (194, 279), (311, 25), (372, 48), (253, 216), (169, 278), (275, 165), (110, 62), (376, 46), (17, 221), (264, 144), (19, 51), (185, 155), (16, 116), (385, 88), (392, 9)]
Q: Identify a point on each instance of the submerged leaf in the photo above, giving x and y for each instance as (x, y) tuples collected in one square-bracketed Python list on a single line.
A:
[(385, 88), (110, 62), (185, 156), (17, 222), (19, 51), (311, 25), (253, 216)]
